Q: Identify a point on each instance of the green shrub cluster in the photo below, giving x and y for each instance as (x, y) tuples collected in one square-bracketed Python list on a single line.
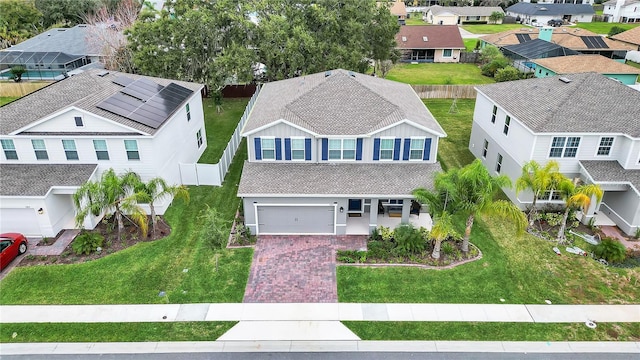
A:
[(87, 242), (611, 250)]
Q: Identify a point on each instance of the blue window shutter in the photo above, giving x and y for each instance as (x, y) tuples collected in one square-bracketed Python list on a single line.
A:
[(396, 149), (287, 149), (407, 147), (278, 149), (325, 149), (307, 149), (376, 149), (258, 148), (359, 149), (427, 149)]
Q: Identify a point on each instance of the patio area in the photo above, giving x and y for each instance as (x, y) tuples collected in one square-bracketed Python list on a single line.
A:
[(360, 225)]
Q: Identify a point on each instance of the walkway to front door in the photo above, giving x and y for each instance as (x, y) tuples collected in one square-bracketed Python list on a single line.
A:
[(297, 269)]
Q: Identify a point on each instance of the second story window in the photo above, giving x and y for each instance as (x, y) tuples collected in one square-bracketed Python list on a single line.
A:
[(268, 149), (188, 113), (297, 149), (507, 122), (40, 149), (493, 114), (342, 149), (78, 120), (416, 149), (386, 149), (9, 149), (131, 146), (564, 147), (102, 153), (70, 150), (604, 149), (199, 138)]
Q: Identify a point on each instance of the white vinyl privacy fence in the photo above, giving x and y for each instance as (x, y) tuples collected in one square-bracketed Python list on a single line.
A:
[(213, 174)]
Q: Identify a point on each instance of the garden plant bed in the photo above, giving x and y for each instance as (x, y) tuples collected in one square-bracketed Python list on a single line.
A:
[(130, 236)]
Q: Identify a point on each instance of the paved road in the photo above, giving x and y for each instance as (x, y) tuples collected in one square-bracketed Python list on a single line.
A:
[(332, 356)]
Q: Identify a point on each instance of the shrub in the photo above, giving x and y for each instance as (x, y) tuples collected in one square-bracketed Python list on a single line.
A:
[(409, 240), (507, 73), (385, 233), (611, 250), (86, 243), (615, 30), (496, 64), (447, 248)]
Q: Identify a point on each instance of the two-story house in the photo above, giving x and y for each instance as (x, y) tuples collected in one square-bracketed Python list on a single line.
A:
[(336, 152), (55, 139), (588, 123)]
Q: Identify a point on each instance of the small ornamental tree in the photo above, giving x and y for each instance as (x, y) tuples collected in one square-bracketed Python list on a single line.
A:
[(507, 73)]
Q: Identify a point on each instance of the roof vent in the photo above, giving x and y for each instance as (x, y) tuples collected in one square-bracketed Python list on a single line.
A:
[(103, 73), (424, 38), (404, 38), (327, 73), (543, 9), (565, 80), (352, 74)]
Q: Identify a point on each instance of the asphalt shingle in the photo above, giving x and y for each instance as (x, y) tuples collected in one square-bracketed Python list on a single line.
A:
[(37, 179), (611, 171)]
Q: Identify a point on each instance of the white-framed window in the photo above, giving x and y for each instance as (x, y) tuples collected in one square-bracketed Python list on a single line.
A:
[(297, 149), (78, 120), (507, 122), (342, 149), (386, 148), (416, 149), (131, 146), (562, 146), (447, 53), (268, 148), (188, 113), (9, 148), (40, 149), (70, 150), (499, 164), (493, 114), (199, 137), (552, 195), (102, 153), (606, 143), (485, 149)]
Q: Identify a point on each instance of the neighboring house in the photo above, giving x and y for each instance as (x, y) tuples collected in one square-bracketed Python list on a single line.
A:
[(428, 43), (587, 122), (454, 15), (580, 40), (590, 2), (576, 64), (336, 153), (524, 55), (55, 139), (53, 52), (631, 37), (533, 14), (625, 11), (397, 8)]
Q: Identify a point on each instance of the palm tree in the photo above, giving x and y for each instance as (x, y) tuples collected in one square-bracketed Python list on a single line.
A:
[(442, 229), (112, 194), (538, 179), (576, 196), (156, 189)]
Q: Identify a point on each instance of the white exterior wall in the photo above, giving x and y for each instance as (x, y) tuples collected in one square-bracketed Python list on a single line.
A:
[(630, 11), (439, 57)]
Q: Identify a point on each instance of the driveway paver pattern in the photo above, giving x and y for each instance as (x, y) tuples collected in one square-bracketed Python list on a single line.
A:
[(297, 269)]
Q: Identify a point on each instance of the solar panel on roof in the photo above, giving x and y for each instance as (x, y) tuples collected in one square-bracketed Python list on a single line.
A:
[(523, 38), (600, 41), (594, 42), (123, 80)]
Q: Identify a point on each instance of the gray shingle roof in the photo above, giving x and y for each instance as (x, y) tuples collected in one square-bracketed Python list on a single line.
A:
[(590, 103), (611, 171), (37, 179), (551, 9), (75, 40), (339, 104), (466, 10), (83, 91), (295, 179)]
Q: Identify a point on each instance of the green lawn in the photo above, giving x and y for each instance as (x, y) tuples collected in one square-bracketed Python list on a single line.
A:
[(113, 332), (493, 331), (491, 29), (220, 127), (6, 99), (416, 19), (634, 64), (470, 44), (438, 74), (603, 27), (136, 275)]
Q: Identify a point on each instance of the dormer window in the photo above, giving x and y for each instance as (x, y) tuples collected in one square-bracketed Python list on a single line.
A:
[(78, 121), (425, 39), (404, 39)]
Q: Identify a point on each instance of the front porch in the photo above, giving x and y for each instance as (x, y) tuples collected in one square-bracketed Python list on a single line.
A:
[(360, 225)]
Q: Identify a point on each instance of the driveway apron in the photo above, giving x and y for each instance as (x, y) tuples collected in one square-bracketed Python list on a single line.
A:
[(296, 269)]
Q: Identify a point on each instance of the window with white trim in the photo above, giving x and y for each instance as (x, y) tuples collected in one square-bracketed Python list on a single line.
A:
[(416, 149), (102, 153), (507, 122), (485, 149), (9, 149), (562, 146), (131, 146), (606, 143), (78, 120), (447, 53), (297, 149), (40, 149), (70, 150), (342, 149), (268, 148), (199, 138), (552, 195), (493, 114), (386, 149), (499, 164), (188, 113)]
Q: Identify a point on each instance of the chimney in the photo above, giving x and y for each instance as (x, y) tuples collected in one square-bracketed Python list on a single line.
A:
[(545, 33)]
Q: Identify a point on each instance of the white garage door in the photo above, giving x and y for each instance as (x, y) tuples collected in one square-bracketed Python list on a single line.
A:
[(19, 220), (282, 220)]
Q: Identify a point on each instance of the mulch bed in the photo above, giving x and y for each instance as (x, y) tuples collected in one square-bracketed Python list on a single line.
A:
[(130, 236)]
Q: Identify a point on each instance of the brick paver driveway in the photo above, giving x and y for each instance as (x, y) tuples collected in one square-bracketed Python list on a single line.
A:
[(297, 269)]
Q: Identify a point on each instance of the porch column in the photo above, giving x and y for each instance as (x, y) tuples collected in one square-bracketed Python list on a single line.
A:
[(373, 215), (591, 212), (406, 208)]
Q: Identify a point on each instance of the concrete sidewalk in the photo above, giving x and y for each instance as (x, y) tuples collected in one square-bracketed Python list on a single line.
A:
[(518, 347)]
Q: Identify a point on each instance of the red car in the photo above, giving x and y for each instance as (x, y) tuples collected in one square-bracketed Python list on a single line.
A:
[(11, 245)]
